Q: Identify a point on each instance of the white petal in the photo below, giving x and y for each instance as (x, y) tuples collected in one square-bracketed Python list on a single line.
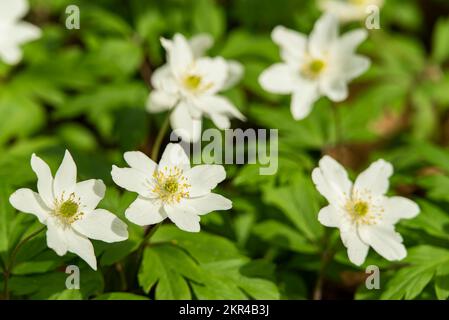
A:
[(56, 239), (349, 41), (374, 179), (330, 216), (355, 66), (174, 155), (183, 218), (101, 224), (278, 78), (384, 240), (213, 104), (11, 54), (332, 181), (90, 193), (81, 246), (179, 54), (140, 161), (162, 80), (214, 72), (200, 43), (293, 44), (208, 203), (396, 208), (334, 88), (303, 100), (184, 125), (28, 201), (235, 74), (11, 10), (132, 180), (65, 178), (44, 179), (357, 249), (221, 121), (144, 211), (204, 178), (24, 32), (324, 35), (159, 101)]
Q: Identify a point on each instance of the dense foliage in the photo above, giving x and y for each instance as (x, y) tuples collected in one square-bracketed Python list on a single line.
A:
[(85, 90)]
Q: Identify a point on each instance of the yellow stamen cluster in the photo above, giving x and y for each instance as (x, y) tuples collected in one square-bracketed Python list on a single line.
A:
[(313, 68), (363, 210), (195, 83), (170, 185), (67, 210), (358, 2)]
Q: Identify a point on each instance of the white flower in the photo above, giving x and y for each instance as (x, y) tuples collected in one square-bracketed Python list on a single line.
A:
[(322, 64), (67, 208), (349, 10), (362, 212), (14, 32), (189, 84), (171, 189)]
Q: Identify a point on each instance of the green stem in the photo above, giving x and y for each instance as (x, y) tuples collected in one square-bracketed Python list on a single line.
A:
[(328, 252), (159, 138), (10, 266), (326, 258)]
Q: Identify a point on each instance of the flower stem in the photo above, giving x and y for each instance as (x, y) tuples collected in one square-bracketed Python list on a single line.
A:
[(326, 258), (159, 138), (10, 266), (328, 253)]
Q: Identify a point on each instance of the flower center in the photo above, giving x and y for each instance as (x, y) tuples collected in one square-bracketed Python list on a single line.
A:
[(358, 2), (360, 208), (192, 82), (67, 210), (171, 186), (313, 69)]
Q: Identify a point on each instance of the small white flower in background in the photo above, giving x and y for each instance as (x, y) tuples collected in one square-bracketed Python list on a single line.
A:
[(67, 208), (171, 189), (349, 10), (320, 65), (363, 213), (13, 31), (189, 84)]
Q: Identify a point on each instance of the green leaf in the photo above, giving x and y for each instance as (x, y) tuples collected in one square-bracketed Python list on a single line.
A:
[(442, 281), (208, 18), (283, 236), (410, 281), (226, 273), (300, 204), (120, 296), (431, 219), (166, 267), (440, 50)]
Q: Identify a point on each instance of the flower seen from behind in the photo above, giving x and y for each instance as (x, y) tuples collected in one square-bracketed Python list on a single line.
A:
[(363, 213)]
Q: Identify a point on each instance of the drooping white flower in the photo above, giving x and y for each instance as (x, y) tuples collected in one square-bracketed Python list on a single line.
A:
[(171, 189), (189, 85), (68, 209), (363, 213), (320, 65), (13, 31), (349, 10)]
